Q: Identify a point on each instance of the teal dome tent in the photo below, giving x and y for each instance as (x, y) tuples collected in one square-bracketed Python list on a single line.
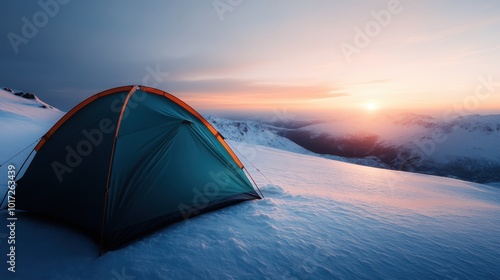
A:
[(128, 161)]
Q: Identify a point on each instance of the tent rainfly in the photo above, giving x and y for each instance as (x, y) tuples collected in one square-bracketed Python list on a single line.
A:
[(128, 161)]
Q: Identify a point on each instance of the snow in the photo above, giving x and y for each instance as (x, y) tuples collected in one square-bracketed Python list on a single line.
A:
[(472, 136), (22, 121), (320, 219), (252, 132), (464, 147), (257, 133)]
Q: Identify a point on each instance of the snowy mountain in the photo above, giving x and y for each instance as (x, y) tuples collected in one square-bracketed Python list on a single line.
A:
[(253, 132), (463, 147), (320, 219), (259, 133)]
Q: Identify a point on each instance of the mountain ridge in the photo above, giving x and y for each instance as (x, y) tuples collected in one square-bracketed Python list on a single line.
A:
[(464, 147)]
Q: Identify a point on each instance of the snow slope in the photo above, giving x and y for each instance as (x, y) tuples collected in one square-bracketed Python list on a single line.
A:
[(22, 121), (320, 219)]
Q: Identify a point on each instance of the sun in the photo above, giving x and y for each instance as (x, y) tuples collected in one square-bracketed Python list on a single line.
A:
[(371, 106)]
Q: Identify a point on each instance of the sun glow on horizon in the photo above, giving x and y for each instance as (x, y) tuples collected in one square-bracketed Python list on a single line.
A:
[(371, 106)]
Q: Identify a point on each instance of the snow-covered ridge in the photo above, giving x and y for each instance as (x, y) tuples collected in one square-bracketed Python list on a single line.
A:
[(465, 147), (258, 133), (253, 132), (29, 99)]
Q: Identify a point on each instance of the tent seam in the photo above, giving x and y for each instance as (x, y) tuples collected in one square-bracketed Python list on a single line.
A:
[(118, 125)]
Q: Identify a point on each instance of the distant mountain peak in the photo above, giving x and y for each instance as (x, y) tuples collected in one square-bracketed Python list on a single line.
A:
[(31, 98)]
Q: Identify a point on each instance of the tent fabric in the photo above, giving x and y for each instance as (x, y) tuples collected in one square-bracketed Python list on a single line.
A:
[(128, 161)]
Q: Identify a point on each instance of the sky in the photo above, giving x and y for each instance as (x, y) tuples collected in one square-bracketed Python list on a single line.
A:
[(321, 56)]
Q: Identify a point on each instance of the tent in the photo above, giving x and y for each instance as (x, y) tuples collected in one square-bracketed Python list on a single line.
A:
[(128, 161)]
